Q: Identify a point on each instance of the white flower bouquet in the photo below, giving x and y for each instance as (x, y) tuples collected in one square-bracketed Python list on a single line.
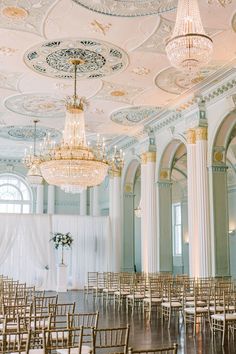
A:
[(63, 240)]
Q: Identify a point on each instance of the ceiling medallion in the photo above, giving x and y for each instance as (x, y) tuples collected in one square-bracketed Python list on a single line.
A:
[(134, 115), (174, 81), (25, 15), (27, 133), (39, 105), (100, 58), (111, 91), (14, 12), (128, 8)]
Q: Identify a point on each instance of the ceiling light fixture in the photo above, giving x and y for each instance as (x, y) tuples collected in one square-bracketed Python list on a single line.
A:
[(32, 162), (189, 47)]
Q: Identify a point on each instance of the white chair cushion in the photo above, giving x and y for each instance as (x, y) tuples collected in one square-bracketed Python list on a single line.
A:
[(173, 304), (220, 317), (191, 310)]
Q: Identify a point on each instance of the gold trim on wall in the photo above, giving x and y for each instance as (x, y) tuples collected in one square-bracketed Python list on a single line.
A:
[(191, 136), (151, 156), (201, 133)]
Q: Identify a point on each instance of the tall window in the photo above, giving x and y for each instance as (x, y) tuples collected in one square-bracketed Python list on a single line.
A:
[(177, 229), (15, 195)]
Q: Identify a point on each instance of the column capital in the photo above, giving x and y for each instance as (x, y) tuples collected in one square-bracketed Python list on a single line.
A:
[(218, 168), (164, 184), (115, 172), (201, 133), (191, 136), (151, 156)]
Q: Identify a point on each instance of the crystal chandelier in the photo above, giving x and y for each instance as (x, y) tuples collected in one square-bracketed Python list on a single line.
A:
[(116, 162), (189, 47), (32, 161), (73, 164)]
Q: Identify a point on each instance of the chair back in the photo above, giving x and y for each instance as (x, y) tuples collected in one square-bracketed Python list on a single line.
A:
[(57, 339), (110, 340)]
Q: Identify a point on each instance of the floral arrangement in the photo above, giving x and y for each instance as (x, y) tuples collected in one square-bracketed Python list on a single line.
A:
[(63, 240)]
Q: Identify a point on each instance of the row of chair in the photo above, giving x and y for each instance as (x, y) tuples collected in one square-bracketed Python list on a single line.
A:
[(34, 322)]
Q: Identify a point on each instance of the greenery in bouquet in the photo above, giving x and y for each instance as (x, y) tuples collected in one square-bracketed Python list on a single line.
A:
[(63, 240)]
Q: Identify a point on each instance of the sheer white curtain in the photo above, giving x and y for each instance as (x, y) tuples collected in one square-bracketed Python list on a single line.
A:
[(26, 252), (90, 250)]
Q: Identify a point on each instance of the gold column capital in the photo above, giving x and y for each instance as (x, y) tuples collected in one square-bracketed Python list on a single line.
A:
[(151, 156), (201, 133), (143, 158), (191, 136), (115, 172)]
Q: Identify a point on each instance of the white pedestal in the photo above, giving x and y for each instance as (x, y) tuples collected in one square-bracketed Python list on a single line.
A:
[(62, 278)]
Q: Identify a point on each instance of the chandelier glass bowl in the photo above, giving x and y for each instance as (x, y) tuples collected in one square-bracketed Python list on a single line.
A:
[(189, 47)]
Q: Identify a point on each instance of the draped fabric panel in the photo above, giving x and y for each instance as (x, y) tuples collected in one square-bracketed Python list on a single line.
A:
[(26, 253)]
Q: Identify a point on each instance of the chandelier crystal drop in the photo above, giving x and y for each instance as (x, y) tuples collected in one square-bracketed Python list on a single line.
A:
[(189, 47), (73, 164)]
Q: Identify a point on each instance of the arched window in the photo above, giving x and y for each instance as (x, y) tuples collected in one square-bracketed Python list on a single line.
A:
[(15, 194)]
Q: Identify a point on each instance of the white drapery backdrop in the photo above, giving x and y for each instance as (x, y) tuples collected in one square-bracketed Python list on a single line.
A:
[(27, 255)]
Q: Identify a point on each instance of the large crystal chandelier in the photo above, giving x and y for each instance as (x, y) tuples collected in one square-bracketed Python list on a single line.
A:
[(189, 47), (73, 164), (32, 161)]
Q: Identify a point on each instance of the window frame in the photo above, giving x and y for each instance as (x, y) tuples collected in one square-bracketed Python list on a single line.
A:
[(176, 225), (19, 202)]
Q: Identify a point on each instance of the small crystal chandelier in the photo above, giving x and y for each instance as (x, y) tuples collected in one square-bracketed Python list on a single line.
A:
[(73, 164), (32, 161), (116, 161), (189, 47)]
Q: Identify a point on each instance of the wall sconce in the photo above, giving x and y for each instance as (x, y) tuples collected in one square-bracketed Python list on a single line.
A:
[(232, 232)]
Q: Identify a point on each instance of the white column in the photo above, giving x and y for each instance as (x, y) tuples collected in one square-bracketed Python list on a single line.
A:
[(116, 221), (151, 213), (202, 192), (51, 199), (111, 195), (95, 205), (194, 256), (83, 203), (164, 225), (143, 213), (39, 199)]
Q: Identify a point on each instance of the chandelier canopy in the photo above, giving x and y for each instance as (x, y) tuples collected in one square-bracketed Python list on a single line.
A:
[(73, 164), (189, 47)]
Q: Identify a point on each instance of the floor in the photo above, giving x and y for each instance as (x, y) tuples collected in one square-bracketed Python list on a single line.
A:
[(145, 334)]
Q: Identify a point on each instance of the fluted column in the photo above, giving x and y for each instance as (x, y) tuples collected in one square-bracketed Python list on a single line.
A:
[(51, 199), (39, 199), (83, 203), (95, 204), (116, 220), (194, 256), (143, 212), (202, 192)]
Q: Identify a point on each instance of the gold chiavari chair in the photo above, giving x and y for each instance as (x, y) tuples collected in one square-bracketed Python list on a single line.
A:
[(110, 340), (63, 340), (87, 320)]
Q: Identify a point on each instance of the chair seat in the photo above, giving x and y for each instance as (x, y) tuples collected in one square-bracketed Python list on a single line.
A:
[(220, 308), (228, 316), (172, 304), (199, 303), (122, 293), (174, 299), (110, 291), (136, 296), (153, 299), (85, 350), (192, 310)]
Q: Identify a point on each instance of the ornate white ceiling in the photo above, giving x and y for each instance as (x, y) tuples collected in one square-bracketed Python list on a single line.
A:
[(126, 65)]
